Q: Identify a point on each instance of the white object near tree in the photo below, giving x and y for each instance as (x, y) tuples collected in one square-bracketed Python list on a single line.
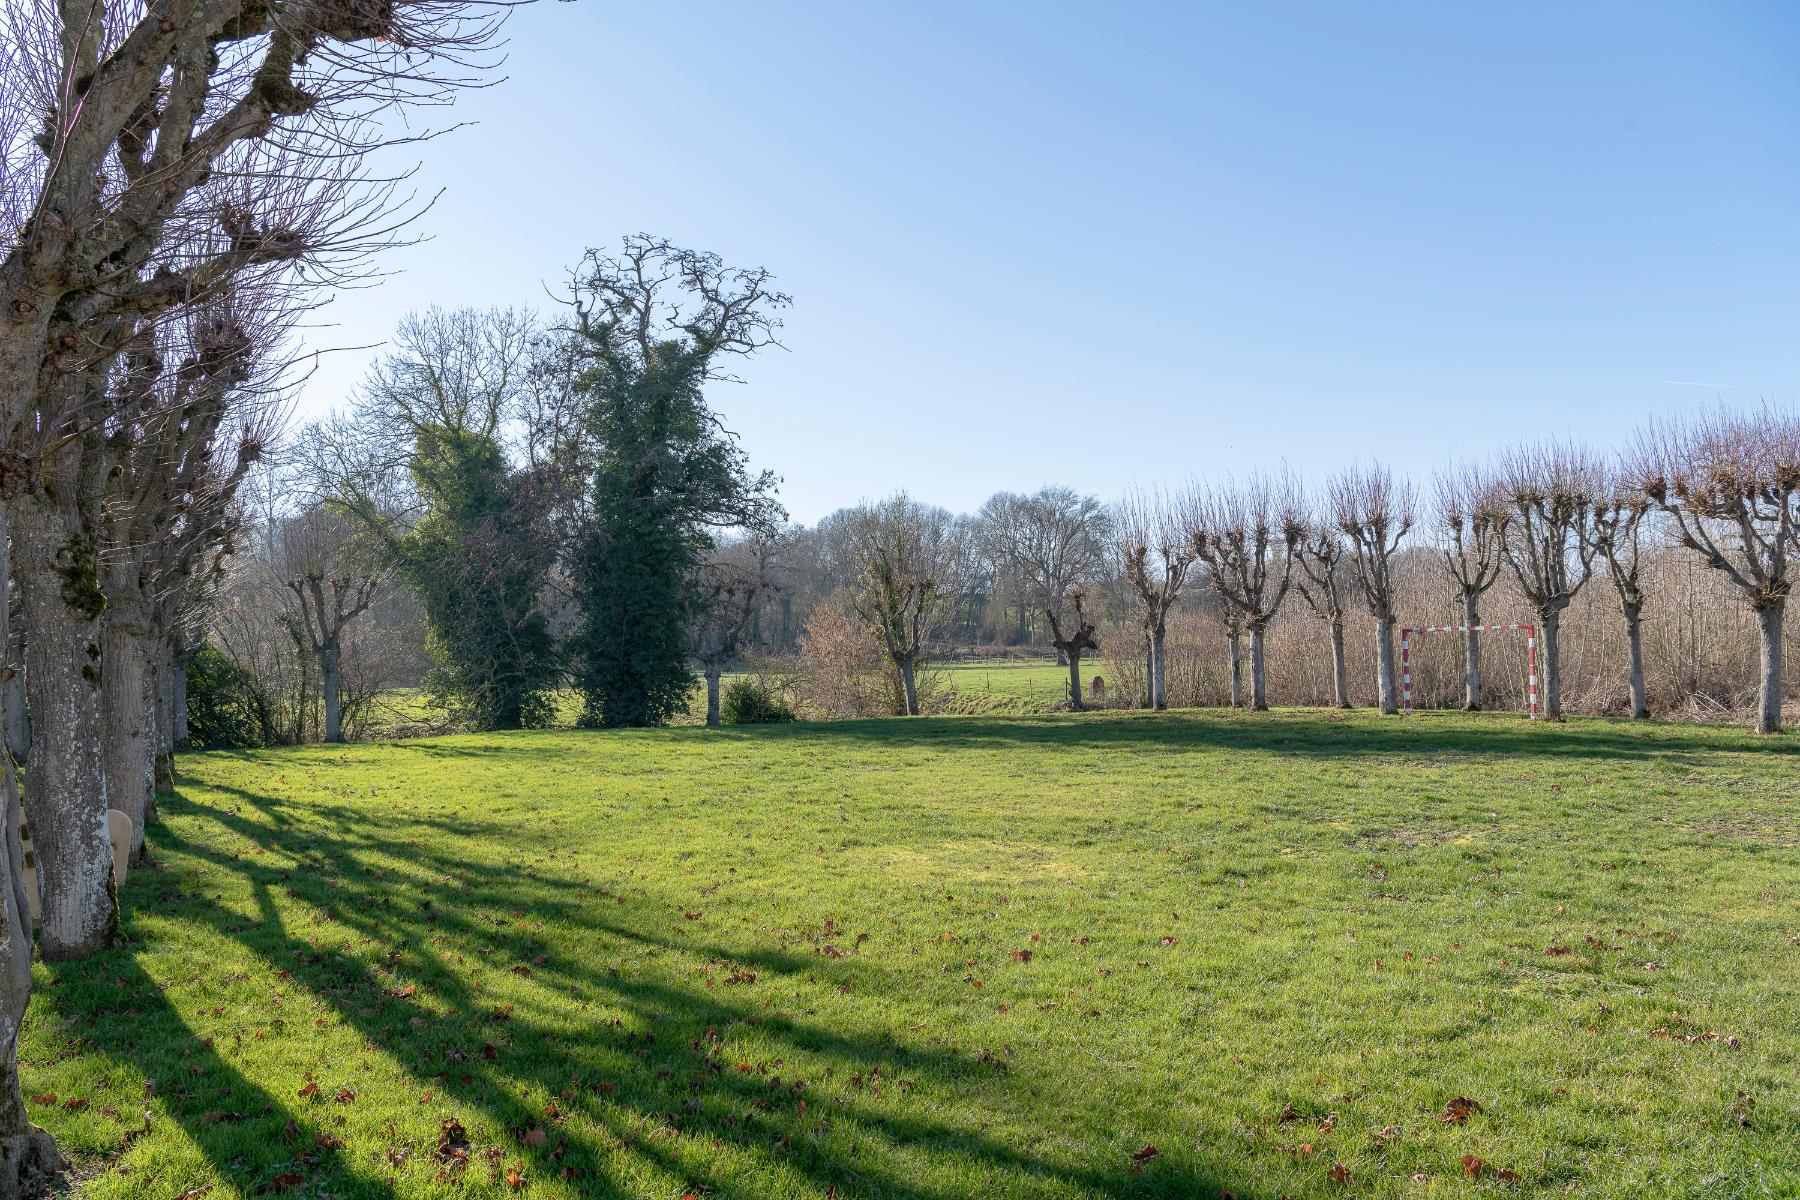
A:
[(118, 829)]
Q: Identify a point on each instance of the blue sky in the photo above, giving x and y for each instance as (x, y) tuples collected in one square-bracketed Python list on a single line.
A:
[(1105, 244)]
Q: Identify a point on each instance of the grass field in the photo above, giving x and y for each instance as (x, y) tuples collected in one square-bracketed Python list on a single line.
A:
[(1300, 954)]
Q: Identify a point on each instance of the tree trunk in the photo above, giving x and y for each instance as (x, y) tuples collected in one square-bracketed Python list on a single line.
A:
[(27, 1153), (1551, 676), (57, 572), (1471, 652), (1634, 639), (1149, 672), (1340, 670), (1237, 668), (128, 724), (18, 722), (171, 695), (178, 717), (331, 675), (909, 691), (1259, 676), (1768, 701), (1074, 658), (712, 694), (1158, 684), (1387, 689)]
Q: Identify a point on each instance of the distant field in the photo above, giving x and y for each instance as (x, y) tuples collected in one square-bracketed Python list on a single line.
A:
[(1019, 686), (1181, 955)]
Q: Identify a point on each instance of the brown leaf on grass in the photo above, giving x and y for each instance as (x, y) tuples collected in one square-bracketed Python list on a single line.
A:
[(1458, 1110), (535, 1138), (287, 1181), (221, 1117), (1023, 956), (309, 1088), (47, 1100), (1339, 1173), (1473, 1166), (405, 993), (452, 1141), (75, 1103), (346, 1096), (1145, 1155), (1556, 948), (515, 1179), (1168, 941)]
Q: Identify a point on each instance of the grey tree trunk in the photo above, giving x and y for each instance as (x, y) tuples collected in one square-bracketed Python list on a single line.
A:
[(1234, 649), (712, 695), (908, 687), (18, 722), (1074, 658), (56, 568), (1387, 689), (1768, 701), (1340, 670), (1259, 676), (1158, 684), (170, 683), (1149, 673), (128, 721), (331, 675), (1551, 654), (178, 719), (1471, 652), (1634, 638)]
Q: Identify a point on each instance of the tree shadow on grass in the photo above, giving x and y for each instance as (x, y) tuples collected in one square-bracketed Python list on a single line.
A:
[(604, 1071)]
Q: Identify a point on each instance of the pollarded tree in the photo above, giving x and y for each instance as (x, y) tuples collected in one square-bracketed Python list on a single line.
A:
[(334, 582), (1375, 511), (1471, 519), (655, 324), (1547, 490), (1247, 534), (1152, 535), (1730, 483), (1325, 583), (1073, 640), (1619, 514), (908, 563)]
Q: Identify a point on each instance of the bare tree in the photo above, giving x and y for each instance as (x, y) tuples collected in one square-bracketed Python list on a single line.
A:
[(1548, 490), (733, 584), (1049, 543), (334, 585), (1246, 535), (1153, 536), (908, 562), (1325, 584), (1730, 482), (1619, 513), (1470, 523), (1077, 639), (1375, 511)]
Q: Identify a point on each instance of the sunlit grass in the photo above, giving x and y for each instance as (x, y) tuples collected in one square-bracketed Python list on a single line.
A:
[(954, 957)]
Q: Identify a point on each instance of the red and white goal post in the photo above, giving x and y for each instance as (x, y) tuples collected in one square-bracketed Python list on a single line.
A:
[(1530, 632)]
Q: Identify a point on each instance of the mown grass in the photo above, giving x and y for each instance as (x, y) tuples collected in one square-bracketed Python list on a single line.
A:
[(954, 957)]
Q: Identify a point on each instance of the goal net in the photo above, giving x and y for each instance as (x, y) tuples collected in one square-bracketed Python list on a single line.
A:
[(1530, 632)]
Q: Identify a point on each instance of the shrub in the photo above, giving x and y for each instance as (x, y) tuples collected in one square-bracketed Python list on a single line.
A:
[(749, 702), (225, 709)]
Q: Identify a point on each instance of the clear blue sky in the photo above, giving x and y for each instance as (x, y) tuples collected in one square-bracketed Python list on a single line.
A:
[(1098, 244)]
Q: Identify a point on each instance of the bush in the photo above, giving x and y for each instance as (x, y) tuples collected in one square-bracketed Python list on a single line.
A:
[(225, 709), (749, 702)]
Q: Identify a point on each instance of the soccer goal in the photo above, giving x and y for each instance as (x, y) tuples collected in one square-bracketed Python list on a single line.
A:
[(1530, 632)]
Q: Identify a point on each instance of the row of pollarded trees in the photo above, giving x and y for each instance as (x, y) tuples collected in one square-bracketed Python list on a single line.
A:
[(1723, 486), (175, 183)]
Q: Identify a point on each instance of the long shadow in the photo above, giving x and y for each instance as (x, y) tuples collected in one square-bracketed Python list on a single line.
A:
[(653, 1077)]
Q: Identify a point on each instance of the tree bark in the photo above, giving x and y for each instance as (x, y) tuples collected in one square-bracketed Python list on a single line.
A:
[(128, 721), (712, 695), (1634, 638), (1237, 667), (57, 572), (1386, 686), (1340, 670), (331, 675), (909, 691), (1074, 660), (1552, 664), (1259, 677), (1768, 703), (18, 721), (1471, 652), (1149, 673), (1158, 684)]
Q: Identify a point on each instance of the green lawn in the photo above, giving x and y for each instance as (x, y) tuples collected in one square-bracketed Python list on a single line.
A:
[(967, 956)]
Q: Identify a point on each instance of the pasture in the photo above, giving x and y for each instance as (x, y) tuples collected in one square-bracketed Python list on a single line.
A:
[(1194, 954)]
